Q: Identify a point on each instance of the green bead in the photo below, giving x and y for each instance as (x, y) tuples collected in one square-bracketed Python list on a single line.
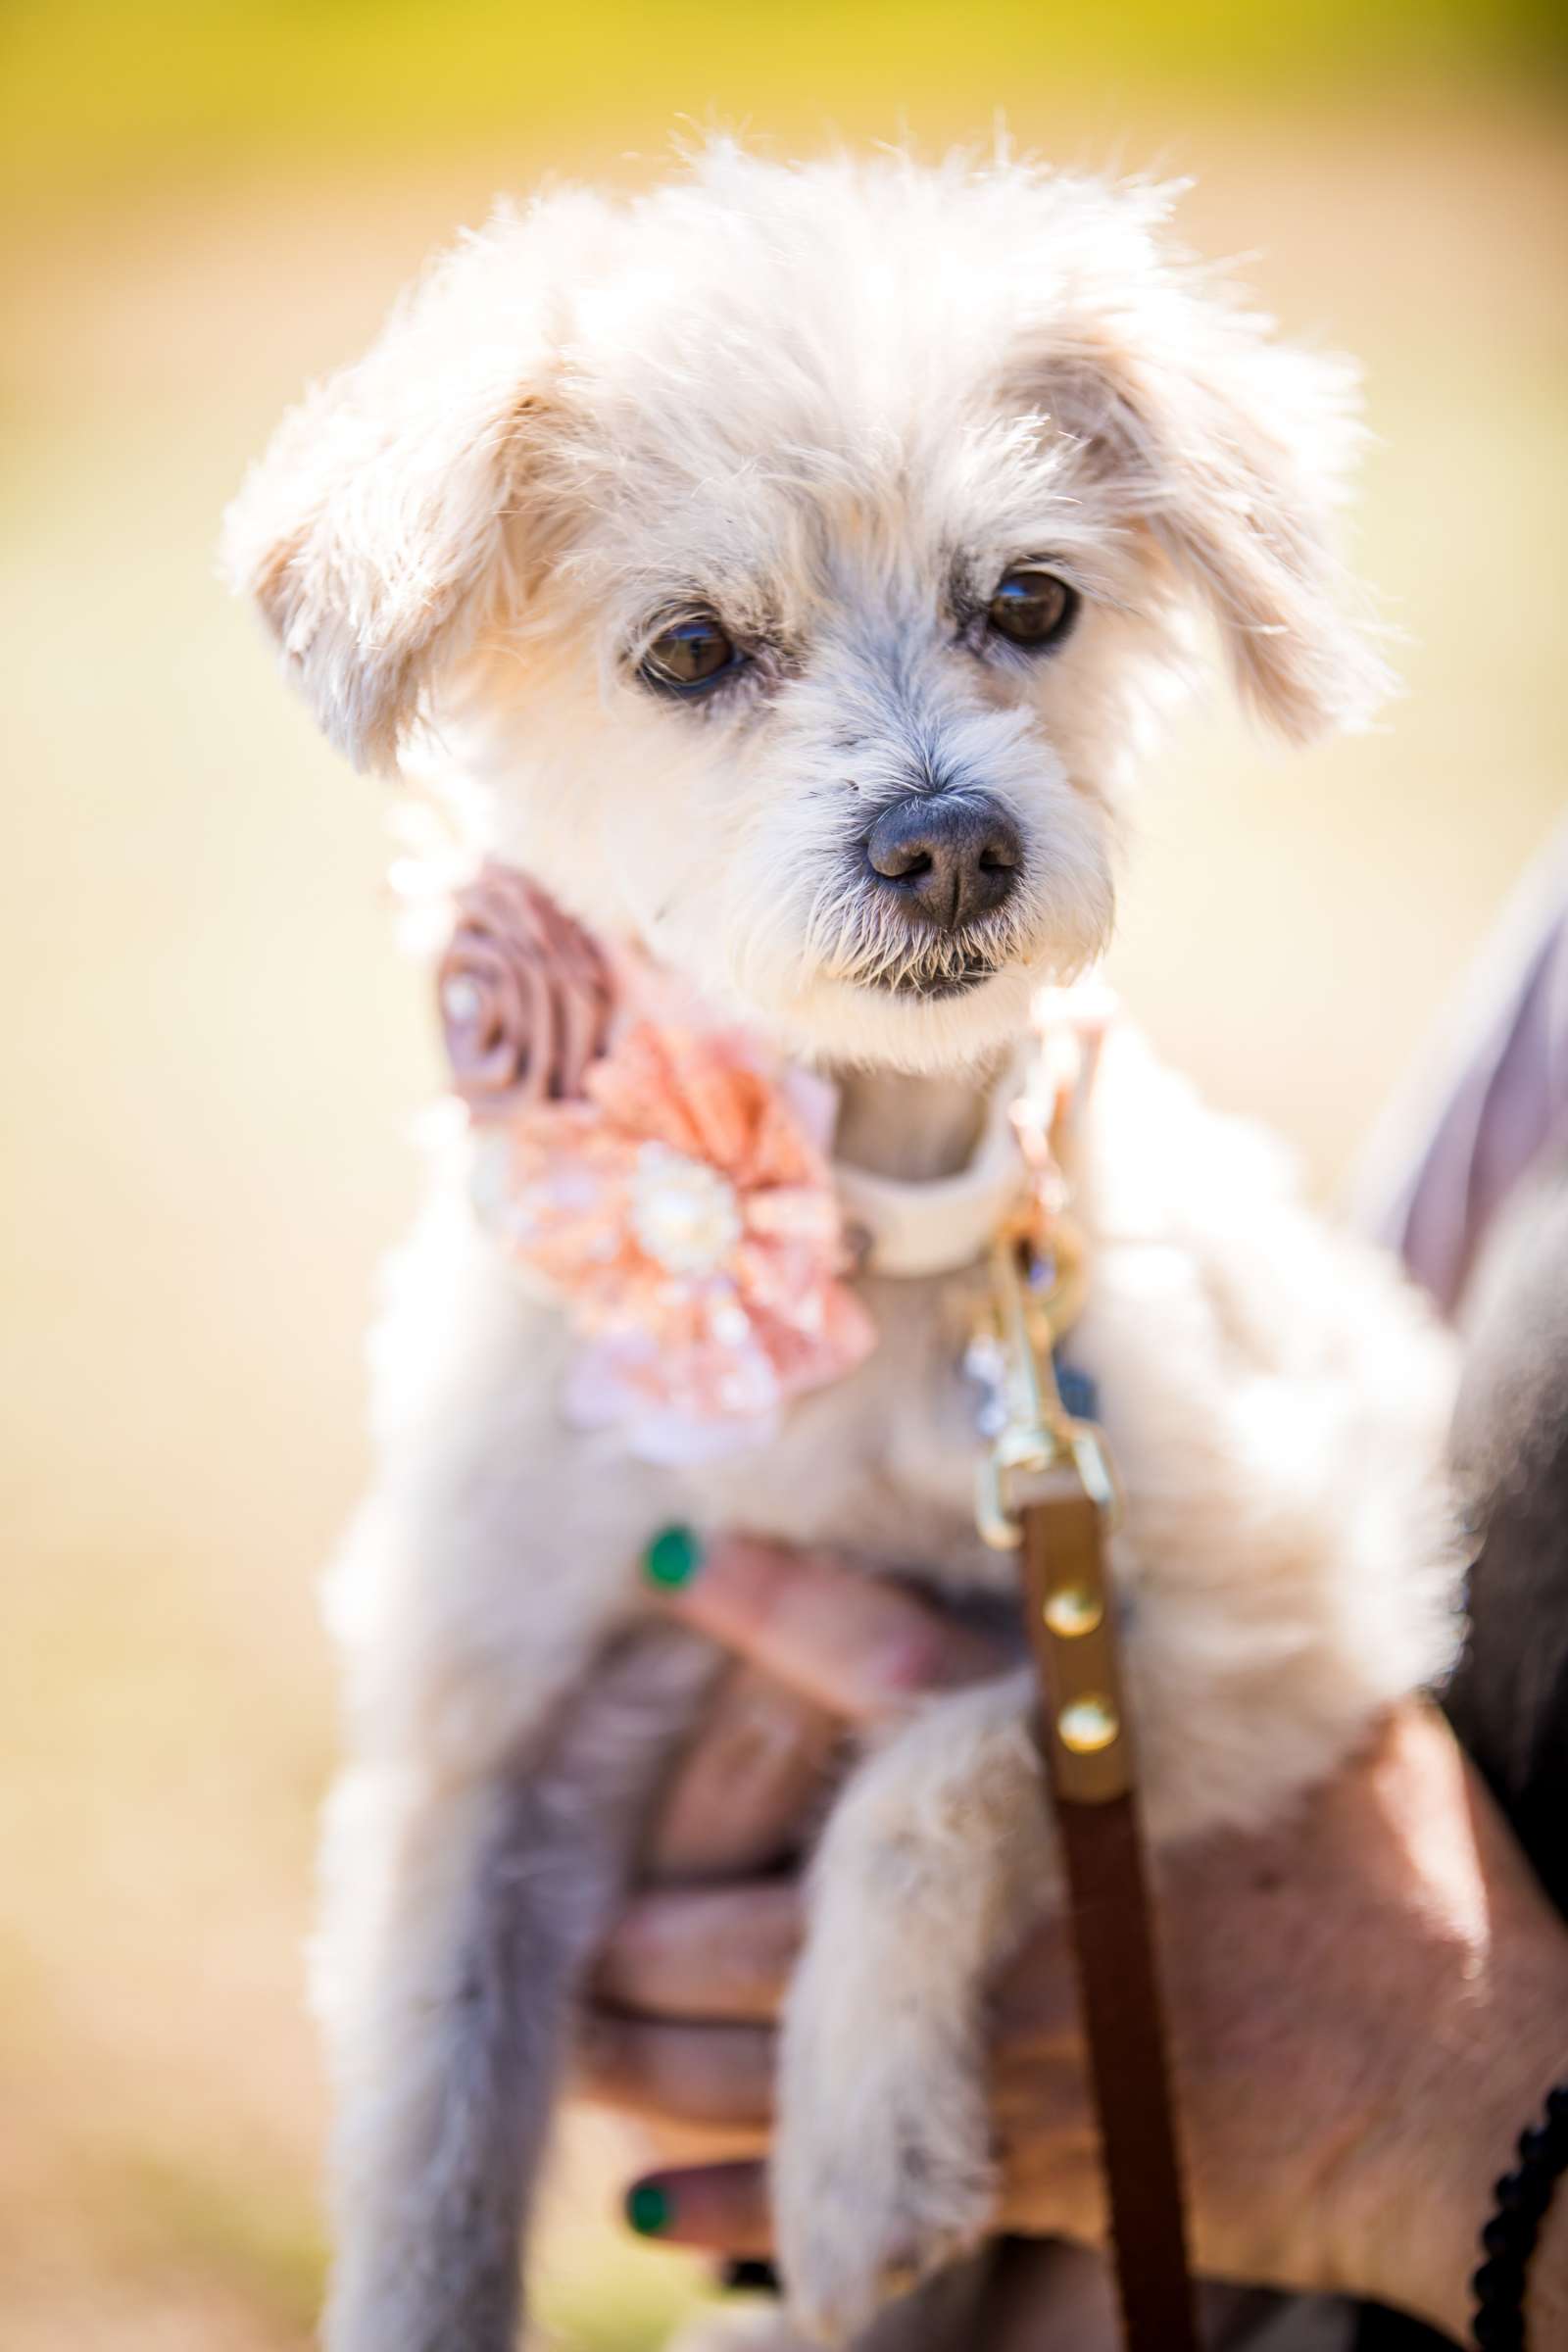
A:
[(648, 2208), (672, 1558)]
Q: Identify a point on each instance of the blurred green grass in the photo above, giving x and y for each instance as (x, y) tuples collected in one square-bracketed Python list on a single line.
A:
[(94, 94)]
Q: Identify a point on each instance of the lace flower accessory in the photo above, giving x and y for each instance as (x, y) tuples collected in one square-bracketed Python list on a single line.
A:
[(671, 1191)]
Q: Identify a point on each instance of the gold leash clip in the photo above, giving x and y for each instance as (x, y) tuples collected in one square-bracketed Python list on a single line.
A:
[(1038, 1282), (1037, 1295)]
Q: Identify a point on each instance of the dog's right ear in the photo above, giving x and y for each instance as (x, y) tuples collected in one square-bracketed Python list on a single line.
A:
[(378, 532)]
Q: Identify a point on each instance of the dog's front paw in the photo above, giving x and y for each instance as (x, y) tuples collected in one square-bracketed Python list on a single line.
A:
[(880, 2176)]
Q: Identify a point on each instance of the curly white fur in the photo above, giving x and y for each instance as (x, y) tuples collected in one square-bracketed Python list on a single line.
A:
[(831, 405)]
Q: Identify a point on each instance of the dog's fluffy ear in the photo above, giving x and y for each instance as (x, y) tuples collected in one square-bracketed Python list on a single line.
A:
[(379, 531), (1233, 450)]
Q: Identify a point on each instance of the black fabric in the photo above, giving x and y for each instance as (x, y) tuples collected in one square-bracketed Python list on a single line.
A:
[(1508, 1700)]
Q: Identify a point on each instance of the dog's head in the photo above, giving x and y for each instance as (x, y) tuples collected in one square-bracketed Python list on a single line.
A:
[(790, 560)]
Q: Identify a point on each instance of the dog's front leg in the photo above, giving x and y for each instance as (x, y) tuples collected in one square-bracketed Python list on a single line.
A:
[(935, 1859), (460, 1913)]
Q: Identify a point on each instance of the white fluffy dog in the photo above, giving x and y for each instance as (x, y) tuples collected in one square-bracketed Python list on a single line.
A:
[(786, 567)]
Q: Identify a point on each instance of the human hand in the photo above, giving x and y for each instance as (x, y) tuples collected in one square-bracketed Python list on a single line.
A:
[(1365, 2005)]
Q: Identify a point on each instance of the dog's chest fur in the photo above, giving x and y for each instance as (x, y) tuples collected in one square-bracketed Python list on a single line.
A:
[(882, 1463), (1275, 1405)]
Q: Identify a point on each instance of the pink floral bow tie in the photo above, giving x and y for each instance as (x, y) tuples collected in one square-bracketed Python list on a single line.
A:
[(657, 1177)]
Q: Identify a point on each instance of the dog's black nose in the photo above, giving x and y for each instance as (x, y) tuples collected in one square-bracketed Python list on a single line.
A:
[(952, 855)]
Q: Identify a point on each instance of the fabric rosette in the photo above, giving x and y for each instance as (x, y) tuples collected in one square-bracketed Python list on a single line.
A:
[(650, 1174), (527, 997), (686, 1217)]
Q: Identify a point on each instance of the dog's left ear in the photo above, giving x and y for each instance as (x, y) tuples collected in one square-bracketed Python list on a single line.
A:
[(384, 526), (1232, 452)]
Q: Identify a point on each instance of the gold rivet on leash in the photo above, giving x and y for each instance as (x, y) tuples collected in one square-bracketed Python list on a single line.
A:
[(1072, 1611), (1089, 1725)]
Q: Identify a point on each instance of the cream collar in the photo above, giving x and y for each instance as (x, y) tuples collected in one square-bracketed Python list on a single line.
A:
[(936, 1225)]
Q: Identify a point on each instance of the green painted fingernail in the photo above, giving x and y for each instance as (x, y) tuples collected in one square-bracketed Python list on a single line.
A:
[(648, 2208), (672, 1558)]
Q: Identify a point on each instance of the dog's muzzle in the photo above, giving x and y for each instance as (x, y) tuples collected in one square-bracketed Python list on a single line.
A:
[(945, 860), (939, 869)]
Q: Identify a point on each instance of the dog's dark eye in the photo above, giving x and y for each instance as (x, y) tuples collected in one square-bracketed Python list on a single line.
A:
[(1032, 609), (691, 653)]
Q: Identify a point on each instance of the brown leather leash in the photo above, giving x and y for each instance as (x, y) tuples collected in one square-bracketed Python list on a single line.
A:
[(1087, 1744), (1047, 1488)]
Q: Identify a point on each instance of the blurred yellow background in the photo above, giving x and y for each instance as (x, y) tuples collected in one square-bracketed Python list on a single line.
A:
[(214, 1056)]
